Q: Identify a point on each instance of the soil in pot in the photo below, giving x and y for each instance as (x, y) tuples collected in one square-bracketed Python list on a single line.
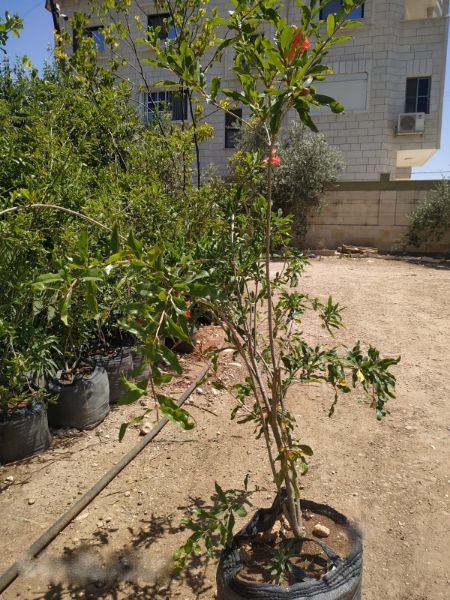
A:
[(307, 558), (82, 398), (23, 432), (247, 569)]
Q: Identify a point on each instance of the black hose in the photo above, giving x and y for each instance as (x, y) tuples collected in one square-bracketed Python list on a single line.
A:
[(10, 574)]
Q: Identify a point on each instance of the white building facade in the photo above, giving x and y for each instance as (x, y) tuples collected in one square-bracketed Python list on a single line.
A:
[(390, 77)]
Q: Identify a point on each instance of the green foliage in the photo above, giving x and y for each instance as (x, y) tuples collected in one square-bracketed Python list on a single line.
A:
[(431, 220), (9, 24), (280, 565), (308, 165), (75, 142), (214, 525)]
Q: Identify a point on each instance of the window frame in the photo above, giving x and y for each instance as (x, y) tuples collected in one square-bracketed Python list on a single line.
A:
[(231, 130), (362, 76), (89, 32), (165, 33), (164, 98), (417, 97), (323, 15)]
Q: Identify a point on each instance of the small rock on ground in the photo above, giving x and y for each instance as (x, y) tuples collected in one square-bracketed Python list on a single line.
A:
[(321, 531)]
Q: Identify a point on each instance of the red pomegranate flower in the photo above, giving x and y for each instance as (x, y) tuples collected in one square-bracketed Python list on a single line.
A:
[(299, 40), (274, 158), (188, 313)]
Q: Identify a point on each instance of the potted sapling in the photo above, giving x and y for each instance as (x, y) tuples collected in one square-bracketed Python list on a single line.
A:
[(277, 65), (80, 387)]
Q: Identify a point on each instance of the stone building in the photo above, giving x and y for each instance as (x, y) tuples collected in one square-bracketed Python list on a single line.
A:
[(390, 78)]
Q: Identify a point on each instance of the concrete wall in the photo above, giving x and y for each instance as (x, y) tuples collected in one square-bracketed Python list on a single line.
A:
[(370, 214)]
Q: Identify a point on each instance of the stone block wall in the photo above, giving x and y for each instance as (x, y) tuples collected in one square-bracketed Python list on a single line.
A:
[(376, 215)]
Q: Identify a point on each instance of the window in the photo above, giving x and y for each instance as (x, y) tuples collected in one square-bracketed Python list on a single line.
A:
[(333, 6), (232, 127), (350, 89), (418, 91), (96, 34), (174, 103), (167, 31)]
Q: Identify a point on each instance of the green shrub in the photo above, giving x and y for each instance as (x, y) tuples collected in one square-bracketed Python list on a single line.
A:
[(431, 220)]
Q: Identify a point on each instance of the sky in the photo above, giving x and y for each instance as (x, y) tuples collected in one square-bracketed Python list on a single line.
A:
[(36, 40)]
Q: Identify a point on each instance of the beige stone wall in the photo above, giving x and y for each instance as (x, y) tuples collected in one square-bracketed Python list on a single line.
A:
[(367, 217), (387, 49)]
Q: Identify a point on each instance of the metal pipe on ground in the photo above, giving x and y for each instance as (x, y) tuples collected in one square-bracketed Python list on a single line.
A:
[(44, 540)]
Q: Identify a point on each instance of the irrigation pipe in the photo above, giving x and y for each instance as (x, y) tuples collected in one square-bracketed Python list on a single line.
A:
[(10, 574)]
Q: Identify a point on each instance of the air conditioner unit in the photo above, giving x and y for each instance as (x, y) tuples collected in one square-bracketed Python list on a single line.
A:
[(410, 123)]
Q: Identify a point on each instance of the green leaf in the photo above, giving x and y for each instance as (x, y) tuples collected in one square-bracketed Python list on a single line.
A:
[(214, 87), (135, 245), (91, 296), (168, 84), (337, 107), (83, 245), (305, 117), (130, 396), (306, 449), (174, 413), (122, 430), (331, 24), (171, 358), (114, 243), (134, 392), (286, 38), (217, 385), (158, 377), (42, 280), (176, 331), (64, 313), (220, 493), (230, 526), (241, 512)]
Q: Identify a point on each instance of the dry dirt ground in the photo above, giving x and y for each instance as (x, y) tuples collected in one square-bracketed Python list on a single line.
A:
[(393, 476)]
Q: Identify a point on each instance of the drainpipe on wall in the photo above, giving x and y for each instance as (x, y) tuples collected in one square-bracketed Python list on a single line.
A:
[(53, 7)]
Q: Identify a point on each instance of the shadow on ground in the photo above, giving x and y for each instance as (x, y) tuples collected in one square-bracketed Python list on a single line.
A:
[(92, 570)]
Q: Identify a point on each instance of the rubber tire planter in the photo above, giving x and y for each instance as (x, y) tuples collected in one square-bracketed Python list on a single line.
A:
[(23, 432), (122, 363), (343, 582), (83, 404)]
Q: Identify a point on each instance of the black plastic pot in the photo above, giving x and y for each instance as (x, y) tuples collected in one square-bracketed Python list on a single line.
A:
[(114, 366), (342, 582), (23, 432), (82, 404)]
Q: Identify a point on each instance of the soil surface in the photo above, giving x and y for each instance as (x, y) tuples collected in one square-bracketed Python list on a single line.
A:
[(393, 477)]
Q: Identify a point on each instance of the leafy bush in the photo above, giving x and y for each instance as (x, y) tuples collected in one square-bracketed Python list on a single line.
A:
[(76, 142), (431, 220)]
